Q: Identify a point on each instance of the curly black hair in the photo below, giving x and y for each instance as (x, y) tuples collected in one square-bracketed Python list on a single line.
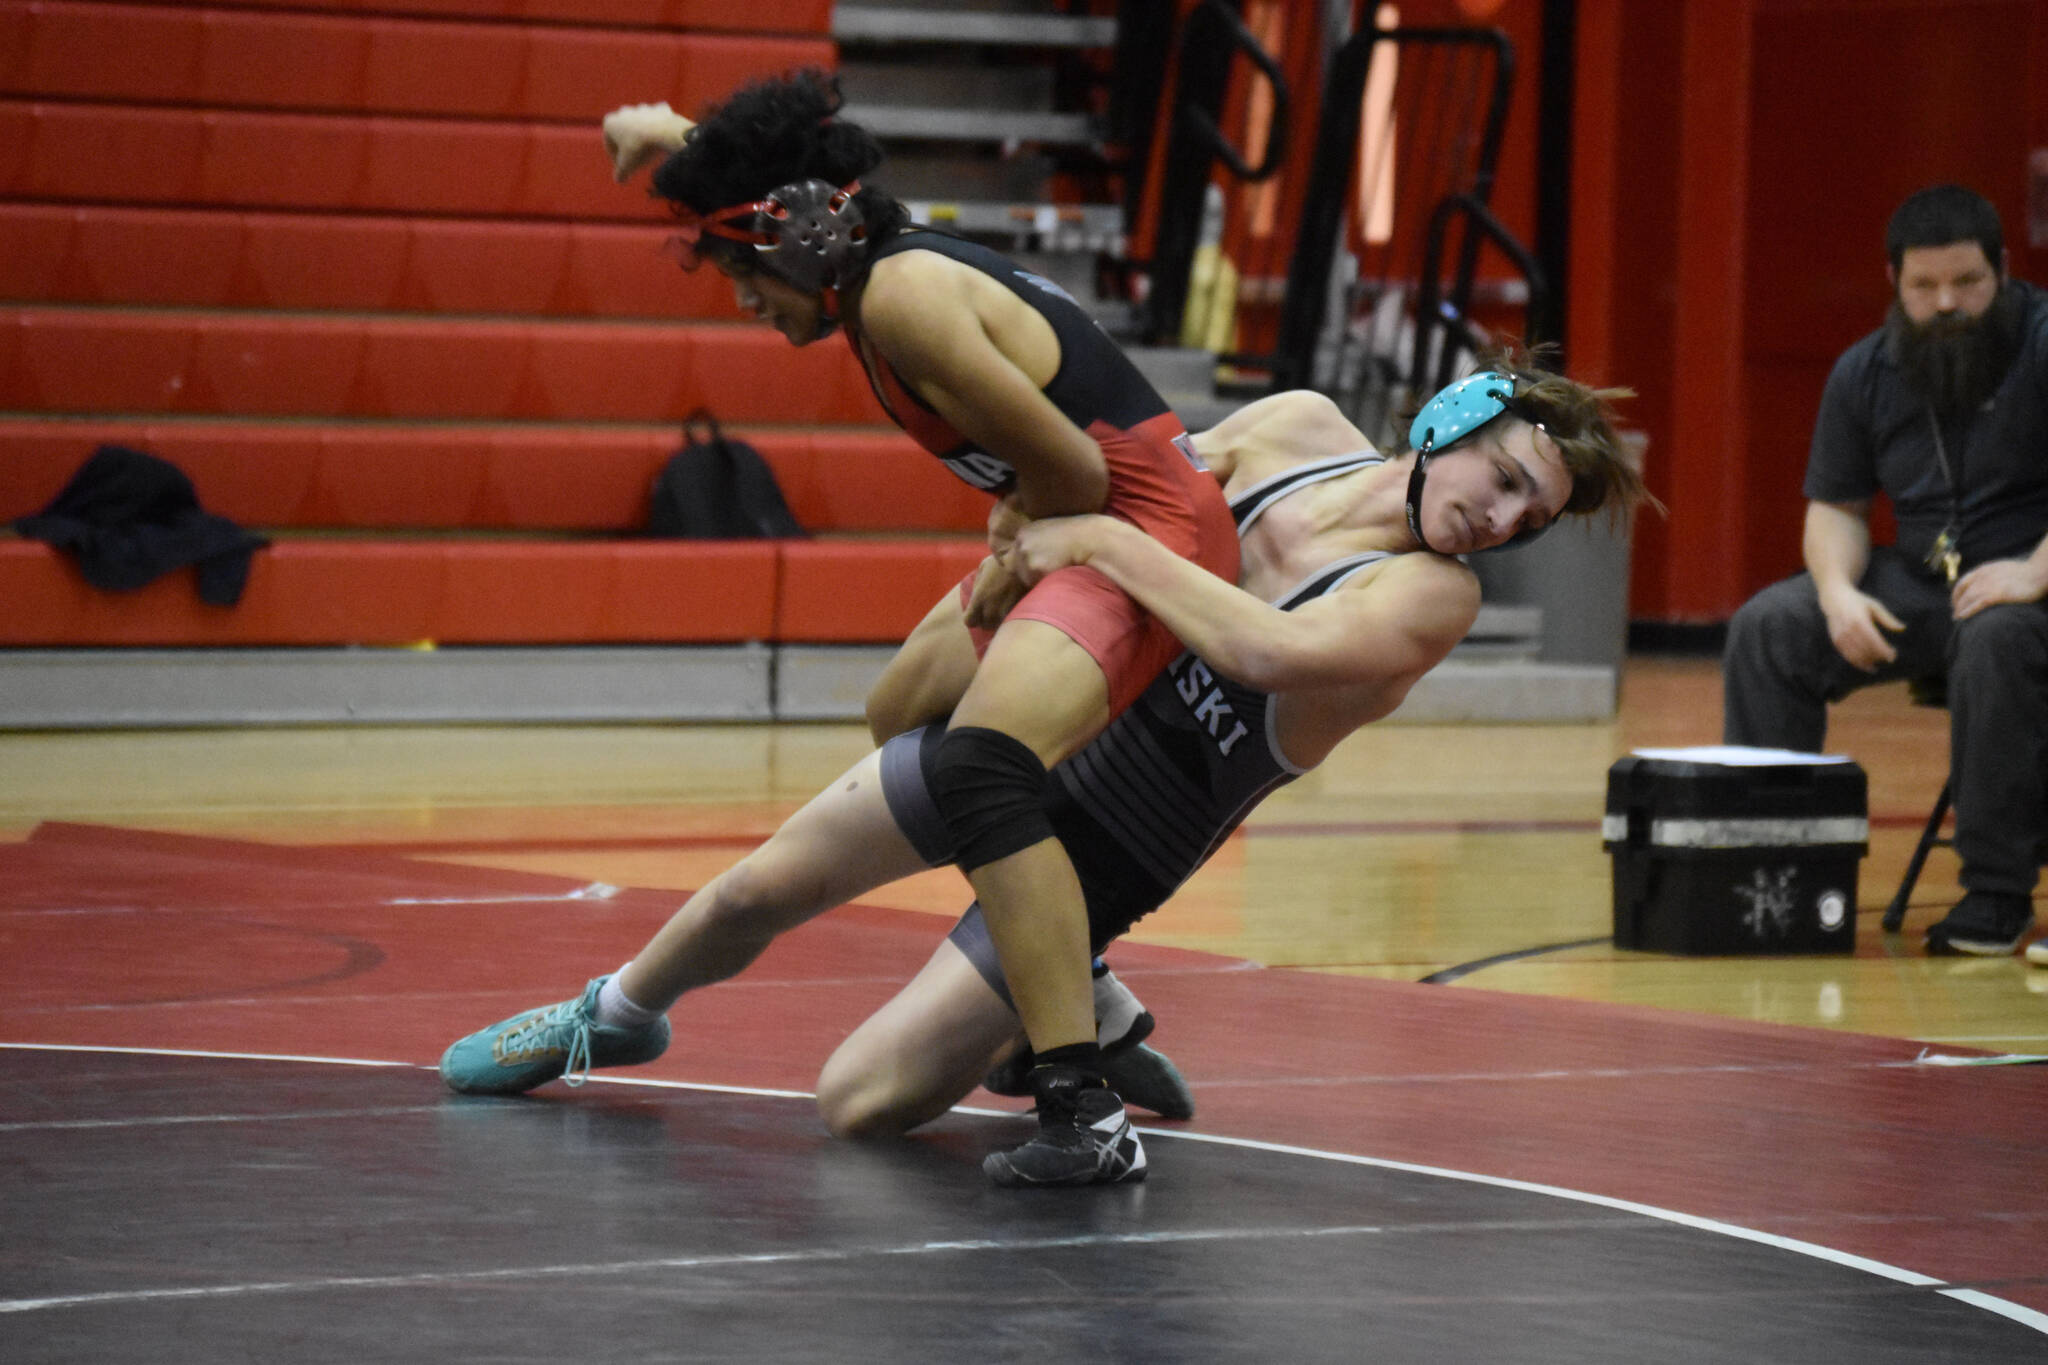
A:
[(768, 134)]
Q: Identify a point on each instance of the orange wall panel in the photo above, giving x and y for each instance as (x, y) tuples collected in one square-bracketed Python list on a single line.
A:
[(407, 67), (708, 591), (314, 262), (840, 593)]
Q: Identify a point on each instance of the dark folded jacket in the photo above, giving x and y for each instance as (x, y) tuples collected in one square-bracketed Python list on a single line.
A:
[(130, 518)]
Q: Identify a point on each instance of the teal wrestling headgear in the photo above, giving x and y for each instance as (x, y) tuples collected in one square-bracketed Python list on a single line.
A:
[(1455, 415)]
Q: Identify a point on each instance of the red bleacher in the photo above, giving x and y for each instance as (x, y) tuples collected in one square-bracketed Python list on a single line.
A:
[(239, 59), (114, 153), (754, 16), (279, 364), (361, 271), (486, 478), (234, 259), (541, 504)]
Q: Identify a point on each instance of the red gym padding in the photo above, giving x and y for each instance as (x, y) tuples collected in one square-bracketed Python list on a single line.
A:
[(812, 17), (261, 364), (341, 592), (844, 593), (239, 59), (330, 162), (213, 258), (520, 477)]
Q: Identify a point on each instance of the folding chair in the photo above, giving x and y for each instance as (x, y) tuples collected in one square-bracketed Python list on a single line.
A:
[(1924, 692)]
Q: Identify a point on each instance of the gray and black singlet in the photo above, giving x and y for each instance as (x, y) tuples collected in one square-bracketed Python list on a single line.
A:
[(1158, 791)]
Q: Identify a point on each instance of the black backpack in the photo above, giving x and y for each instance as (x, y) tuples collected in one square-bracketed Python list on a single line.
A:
[(717, 488)]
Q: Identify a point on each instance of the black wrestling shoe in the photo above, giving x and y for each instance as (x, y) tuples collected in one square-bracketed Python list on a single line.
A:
[(1982, 924), (1084, 1137), (1147, 1077), (1012, 1077), (1143, 1075)]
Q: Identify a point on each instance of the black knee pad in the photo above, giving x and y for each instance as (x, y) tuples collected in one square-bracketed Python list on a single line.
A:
[(991, 790)]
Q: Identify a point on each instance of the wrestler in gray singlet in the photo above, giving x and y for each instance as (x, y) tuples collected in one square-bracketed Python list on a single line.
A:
[(1162, 787)]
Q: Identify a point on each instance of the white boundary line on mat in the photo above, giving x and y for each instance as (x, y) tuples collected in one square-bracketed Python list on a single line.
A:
[(2026, 1317)]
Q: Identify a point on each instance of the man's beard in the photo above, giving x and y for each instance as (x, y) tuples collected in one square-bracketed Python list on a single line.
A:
[(1953, 361)]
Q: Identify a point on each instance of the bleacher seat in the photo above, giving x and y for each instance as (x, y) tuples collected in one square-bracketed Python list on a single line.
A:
[(524, 477), (229, 259), (271, 59), (756, 16), (358, 268), (382, 592)]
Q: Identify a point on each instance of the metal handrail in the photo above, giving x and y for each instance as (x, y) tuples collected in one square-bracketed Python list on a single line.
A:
[(1452, 313), (1198, 143), (1204, 123), (1306, 300)]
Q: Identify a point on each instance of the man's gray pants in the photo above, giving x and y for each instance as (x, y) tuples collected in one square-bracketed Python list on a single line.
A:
[(1781, 671)]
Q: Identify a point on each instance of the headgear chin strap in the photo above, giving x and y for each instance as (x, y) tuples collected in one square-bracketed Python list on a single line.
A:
[(1456, 414)]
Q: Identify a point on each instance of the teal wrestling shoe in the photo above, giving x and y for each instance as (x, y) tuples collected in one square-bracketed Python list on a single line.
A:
[(533, 1048)]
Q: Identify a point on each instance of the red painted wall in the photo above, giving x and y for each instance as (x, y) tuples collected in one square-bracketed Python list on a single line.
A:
[(1735, 164)]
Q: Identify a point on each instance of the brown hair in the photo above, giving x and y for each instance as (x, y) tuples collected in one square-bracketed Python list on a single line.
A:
[(1580, 419)]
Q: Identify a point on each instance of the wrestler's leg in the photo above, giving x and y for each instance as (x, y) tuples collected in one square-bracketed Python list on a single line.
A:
[(1047, 695), (927, 677), (842, 844), (1038, 698), (918, 1055), (937, 1038)]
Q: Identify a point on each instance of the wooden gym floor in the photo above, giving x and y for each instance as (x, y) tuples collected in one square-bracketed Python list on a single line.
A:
[(1415, 849), (1566, 1153)]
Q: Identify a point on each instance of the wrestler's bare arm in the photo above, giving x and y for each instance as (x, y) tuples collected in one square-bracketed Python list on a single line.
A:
[(981, 361)]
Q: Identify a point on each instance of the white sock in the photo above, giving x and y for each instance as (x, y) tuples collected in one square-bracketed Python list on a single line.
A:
[(614, 1010), (1116, 1009)]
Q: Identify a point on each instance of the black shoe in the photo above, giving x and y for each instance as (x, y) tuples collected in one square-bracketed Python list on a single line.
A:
[(1084, 1137), (1142, 1075), (1147, 1077), (1982, 924), (1012, 1077)]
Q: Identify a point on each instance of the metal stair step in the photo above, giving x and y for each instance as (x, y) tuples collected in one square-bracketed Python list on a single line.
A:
[(908, 24), (934, 81), (937, 124), (1076, 227), (1507, 623)]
